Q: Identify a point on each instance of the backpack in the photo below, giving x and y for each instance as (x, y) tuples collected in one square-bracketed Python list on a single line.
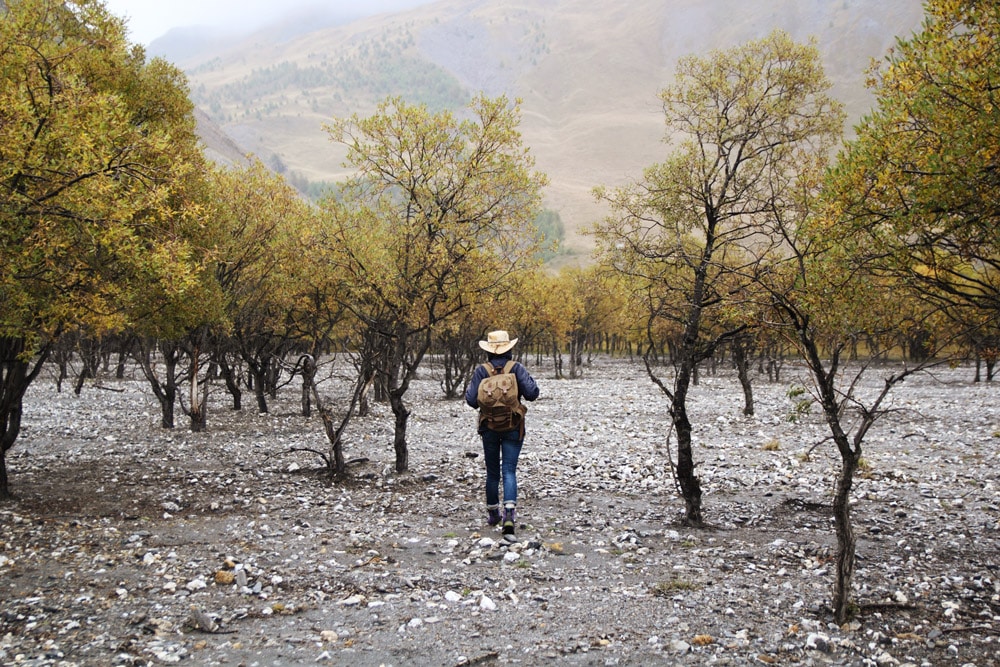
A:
[(500, 409)]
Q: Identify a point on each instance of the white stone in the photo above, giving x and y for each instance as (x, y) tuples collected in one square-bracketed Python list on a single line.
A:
[(196, 584), (353, 600)]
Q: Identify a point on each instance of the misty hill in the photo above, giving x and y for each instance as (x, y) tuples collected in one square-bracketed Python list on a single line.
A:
[(588, 72)]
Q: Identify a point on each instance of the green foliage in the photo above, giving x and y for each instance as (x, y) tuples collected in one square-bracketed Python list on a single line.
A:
[(747, 128), (313, 190), (550, 233), (99, 172), (374, 72), (436, 216), (919, 184), (693, 234), (795, 391)]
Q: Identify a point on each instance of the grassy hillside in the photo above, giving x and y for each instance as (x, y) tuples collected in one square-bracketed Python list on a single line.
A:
[(588, 74)]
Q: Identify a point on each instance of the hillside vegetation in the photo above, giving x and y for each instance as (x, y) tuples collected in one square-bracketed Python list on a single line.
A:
[(588, 75)]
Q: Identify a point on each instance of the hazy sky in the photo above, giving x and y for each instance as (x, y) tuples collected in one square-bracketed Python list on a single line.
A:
[(149, 19)]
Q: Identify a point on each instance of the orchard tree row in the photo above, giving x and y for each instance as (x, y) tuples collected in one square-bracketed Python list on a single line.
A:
[(118, 235), (753, 236)]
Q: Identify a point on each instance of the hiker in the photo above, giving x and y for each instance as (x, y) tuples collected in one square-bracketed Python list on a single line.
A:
[(501, 422)]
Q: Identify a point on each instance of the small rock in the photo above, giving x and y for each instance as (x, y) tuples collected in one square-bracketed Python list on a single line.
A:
[(196, 584), (486, 604), (352, 601), (818, 642)]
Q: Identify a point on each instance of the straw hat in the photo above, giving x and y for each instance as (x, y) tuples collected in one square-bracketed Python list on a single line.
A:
[(497, 342)]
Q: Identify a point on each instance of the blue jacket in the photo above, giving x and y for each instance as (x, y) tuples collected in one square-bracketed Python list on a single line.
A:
[(526, 386)]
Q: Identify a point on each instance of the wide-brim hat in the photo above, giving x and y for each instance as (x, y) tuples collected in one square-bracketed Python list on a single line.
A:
[(497, 342)]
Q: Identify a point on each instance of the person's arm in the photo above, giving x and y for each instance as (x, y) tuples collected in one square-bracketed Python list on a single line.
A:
[(472, 391), (526, 384)]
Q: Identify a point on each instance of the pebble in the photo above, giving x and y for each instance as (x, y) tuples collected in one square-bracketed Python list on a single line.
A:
[(342, 568), (196, 584)]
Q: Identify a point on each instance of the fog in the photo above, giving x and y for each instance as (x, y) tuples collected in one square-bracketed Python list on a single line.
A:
[(148, 20)]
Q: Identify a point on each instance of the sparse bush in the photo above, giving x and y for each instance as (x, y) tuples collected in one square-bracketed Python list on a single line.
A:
[(671, 586), (802, 406)]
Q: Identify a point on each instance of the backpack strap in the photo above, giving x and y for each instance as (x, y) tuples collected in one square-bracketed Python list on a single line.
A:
[(493, 370)]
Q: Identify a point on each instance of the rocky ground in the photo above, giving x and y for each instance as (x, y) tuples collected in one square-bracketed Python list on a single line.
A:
[(132, 545)]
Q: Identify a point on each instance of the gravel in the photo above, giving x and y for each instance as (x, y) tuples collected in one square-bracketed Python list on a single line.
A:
[(133, 545)]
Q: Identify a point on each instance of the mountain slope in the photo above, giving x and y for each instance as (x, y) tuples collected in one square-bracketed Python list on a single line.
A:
[(588, 74)]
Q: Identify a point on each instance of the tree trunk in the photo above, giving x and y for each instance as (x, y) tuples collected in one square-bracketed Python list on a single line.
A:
[(259, 390), (846, 543), (741, 357), (334, 433), (849, 456), (406, 352), (62, 359), (336, 462), (165, 390), (80, 379), (197, 411), (690, 485), (396, 381), (308, 378), (123, 352), (16, 375), (399, 432), (687, 369), (12, 410), (4, 484), (557, 361), (232, 383)]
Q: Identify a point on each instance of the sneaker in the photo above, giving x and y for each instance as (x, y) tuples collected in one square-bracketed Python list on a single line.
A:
[(508, 521), (494, 516)]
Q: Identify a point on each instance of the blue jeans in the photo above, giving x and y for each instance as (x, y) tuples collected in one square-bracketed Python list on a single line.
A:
[(506, 447)]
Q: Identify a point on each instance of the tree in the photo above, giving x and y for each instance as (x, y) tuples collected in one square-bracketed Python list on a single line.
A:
[(438, 212), (823, 296), (921, 178), (258, 222), (92, 139), (554, 308), (690, 233), (458, 342), (911, 215)]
